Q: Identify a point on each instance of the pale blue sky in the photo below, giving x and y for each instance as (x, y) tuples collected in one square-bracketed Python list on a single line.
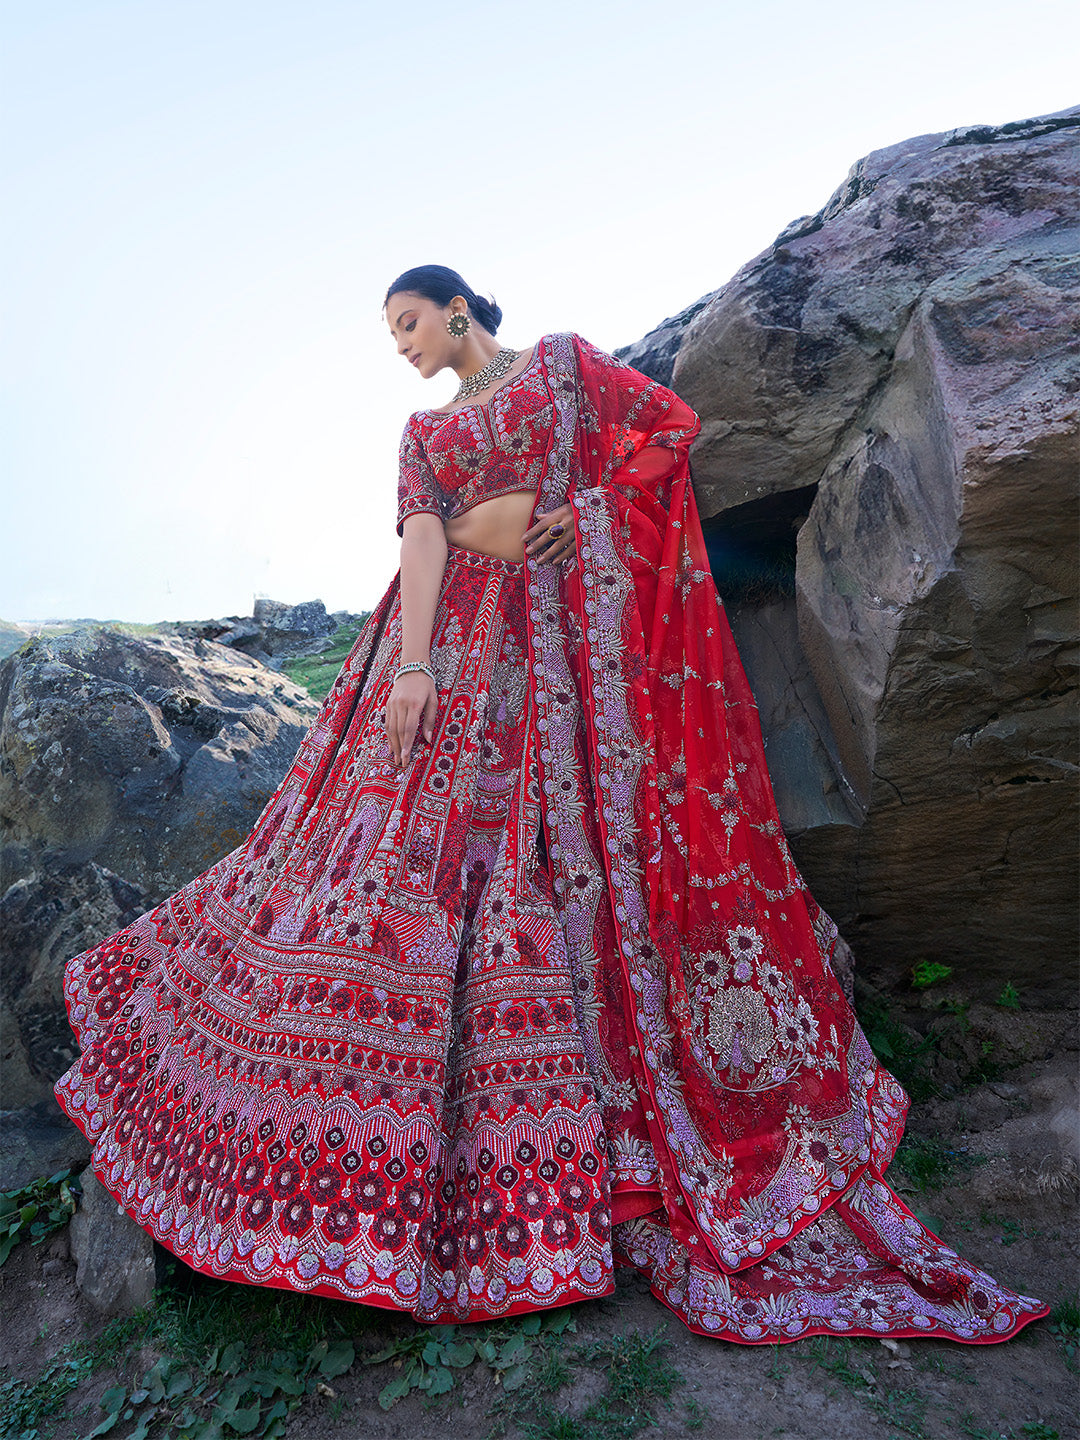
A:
[(205, 203)]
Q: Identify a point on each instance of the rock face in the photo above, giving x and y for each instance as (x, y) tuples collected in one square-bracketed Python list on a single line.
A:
[(44, 919), (127, 766), (888, 472), (150, 757), (115, 1256)]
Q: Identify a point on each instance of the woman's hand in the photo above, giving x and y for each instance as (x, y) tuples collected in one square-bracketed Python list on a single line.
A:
[(412, 700), (539, 541)]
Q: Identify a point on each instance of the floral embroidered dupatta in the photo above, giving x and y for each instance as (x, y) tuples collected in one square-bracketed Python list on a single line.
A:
[(741, 1099)]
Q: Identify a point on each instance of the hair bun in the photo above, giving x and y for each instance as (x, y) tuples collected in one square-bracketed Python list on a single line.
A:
[(487, 312)]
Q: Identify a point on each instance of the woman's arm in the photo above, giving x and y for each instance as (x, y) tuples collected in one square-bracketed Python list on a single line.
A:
[(413, 696)]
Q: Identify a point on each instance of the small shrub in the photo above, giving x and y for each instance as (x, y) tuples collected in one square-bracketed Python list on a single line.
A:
[(36, 1211), (1009, 999), (927, 973)]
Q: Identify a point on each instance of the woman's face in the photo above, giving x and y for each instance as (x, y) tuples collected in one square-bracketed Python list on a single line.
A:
[(419, 327)]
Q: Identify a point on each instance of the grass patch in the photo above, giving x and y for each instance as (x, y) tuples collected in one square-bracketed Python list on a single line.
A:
[(637, 1376), (927, 1163), (901, 1049), (851, 1366), (1009, 999), (318, 672), (27, 1405), (1065, 1327), (212, 1360)]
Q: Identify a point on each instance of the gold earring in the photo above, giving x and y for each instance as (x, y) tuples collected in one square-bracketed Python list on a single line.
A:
[(458, 326)]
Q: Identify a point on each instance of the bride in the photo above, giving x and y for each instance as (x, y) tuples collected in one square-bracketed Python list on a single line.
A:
[(515, 980)]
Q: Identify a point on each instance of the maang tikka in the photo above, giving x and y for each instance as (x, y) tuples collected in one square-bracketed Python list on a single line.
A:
[(458, 325)]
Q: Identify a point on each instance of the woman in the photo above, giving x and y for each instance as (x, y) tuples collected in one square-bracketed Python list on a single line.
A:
[(515, 978)]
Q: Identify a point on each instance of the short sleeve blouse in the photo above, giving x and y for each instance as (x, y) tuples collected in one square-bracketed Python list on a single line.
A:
[(453, 460)]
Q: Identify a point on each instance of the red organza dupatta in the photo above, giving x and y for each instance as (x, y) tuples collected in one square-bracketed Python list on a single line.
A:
[(746, 1095)]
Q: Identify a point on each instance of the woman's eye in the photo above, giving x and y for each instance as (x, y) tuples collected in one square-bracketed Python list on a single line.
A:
[(411, 325)]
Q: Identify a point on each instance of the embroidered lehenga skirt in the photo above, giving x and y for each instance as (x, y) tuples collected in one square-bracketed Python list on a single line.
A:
[(345, 1059)]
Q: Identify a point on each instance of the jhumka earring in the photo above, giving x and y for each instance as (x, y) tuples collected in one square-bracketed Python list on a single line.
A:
[(458, 325)]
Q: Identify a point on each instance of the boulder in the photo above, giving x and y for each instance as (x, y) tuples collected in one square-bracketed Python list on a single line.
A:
[(114, 1255), (275, 632), (151, 757), (888, 474), (38, 1140), (127, 767), (45, 918)]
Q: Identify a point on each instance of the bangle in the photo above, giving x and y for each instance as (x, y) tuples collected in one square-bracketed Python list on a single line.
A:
[(418, 666)]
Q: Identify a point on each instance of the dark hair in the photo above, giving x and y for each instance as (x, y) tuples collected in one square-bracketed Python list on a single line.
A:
[(441, 284)]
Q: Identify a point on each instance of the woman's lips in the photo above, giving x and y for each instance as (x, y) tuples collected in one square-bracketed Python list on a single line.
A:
[(414, 359)]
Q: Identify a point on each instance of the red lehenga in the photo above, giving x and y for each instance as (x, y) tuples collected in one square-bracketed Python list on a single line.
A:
[(458, 1042)]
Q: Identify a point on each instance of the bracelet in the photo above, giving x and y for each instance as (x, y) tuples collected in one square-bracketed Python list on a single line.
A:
[(418, 666)]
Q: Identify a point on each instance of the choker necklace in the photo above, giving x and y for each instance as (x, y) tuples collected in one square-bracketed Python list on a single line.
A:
[(479, 380)]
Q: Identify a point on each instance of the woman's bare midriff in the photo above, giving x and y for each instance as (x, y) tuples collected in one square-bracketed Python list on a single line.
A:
[(494, 527)]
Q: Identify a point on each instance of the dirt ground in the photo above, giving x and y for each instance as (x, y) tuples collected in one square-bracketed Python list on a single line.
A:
[(1023, 1231)]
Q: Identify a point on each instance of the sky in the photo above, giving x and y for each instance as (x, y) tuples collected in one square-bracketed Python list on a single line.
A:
[(200, 401)]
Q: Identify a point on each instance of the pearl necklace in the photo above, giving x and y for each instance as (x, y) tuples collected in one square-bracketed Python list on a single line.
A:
[(479, 380)]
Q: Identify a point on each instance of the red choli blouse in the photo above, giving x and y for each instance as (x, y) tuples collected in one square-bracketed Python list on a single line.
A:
[(451, 462)]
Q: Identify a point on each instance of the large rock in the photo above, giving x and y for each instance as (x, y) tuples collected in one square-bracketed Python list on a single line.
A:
[(115, 1256), (38, 1140), (44, 919), (152, 757), (127, 766), (888, 471)]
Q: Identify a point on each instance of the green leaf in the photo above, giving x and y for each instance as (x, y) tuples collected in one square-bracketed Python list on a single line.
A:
[(178, 1384), (154, 1381), (232, 1358), (114, 1399), (927, 973), (531, 1324), (105, 1426), (208, 1430), (391, 1352), (143, 1428), (431, 1353), (337, 1359), (392, 1393), (440, 1380), (515, 1377), (515, 1349), (459, 1355), (486, 1350), (245, 1421), (263, 1382)]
